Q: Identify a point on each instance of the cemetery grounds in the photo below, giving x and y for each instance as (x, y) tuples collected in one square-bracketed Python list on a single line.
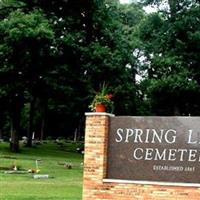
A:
[(58, 166)]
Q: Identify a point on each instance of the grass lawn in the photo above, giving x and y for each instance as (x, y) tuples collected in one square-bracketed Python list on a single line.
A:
[(62, 184)]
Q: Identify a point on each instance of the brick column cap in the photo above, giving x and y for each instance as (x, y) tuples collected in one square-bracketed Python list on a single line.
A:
[(99, 114)]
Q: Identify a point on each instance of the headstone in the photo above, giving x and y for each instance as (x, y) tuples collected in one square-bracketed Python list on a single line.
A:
[(40, 176)]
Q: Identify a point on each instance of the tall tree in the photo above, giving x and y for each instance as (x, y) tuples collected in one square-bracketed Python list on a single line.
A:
[(54, 48), (171, 51), (24, 42)]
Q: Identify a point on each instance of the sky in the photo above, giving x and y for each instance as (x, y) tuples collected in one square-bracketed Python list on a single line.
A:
[(124, 1), (148, 9)]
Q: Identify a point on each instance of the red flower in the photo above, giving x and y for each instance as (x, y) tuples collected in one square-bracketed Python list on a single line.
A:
[(109, 96)]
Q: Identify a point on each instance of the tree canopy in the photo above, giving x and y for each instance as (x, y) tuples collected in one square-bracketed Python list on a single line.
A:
[(54, 55), (170, 44)]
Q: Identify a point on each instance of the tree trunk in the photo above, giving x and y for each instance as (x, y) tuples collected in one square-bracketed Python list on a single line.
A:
[(14, 142), (42, 129), (30, 128), (44, 108), (15, 115), (15, 126), (79, 130)]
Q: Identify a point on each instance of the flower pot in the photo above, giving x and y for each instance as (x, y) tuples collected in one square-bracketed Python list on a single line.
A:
[(100, 108)]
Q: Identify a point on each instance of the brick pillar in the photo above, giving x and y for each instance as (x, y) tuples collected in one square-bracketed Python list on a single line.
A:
[(96, 139)]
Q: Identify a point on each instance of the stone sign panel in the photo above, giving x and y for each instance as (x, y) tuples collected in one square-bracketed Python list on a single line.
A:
[(155, 149)]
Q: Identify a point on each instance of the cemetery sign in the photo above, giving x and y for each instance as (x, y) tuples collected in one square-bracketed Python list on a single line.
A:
[(155, 149)]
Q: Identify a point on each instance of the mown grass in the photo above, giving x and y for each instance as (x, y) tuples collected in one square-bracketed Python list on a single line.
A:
[(62, 184)]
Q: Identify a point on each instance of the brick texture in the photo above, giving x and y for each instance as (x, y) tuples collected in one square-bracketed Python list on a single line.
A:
[(96, 139)]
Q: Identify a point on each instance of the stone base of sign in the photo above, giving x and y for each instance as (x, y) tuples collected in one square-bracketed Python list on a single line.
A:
[(97, 187)]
